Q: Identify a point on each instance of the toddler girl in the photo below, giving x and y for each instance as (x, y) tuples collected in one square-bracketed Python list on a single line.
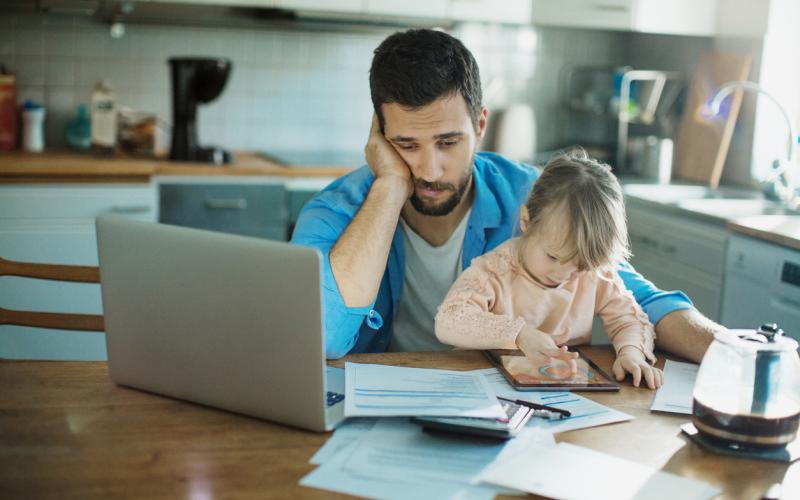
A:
[(542, 289)]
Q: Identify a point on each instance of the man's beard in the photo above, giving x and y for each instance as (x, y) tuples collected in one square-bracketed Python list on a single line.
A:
[(449, 204)]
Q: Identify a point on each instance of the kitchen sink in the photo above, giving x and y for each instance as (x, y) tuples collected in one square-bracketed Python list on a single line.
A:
[(733, 208), (724, 203), (672, 193)]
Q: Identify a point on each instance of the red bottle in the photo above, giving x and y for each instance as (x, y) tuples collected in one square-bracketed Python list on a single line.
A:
[(8, 111)]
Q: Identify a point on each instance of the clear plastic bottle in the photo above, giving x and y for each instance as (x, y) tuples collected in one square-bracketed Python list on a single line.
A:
[(32, 127), (104, 118)]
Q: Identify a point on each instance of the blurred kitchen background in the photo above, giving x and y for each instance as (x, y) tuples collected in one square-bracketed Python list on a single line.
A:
[(299, 76), (711, 191)]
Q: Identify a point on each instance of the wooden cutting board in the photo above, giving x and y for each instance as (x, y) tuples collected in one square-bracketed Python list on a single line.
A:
[(703, 141)]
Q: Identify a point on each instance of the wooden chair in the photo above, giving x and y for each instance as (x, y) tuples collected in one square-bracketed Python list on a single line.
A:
[(62, 321)]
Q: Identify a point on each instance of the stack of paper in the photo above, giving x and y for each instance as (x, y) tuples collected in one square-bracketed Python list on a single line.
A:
[(396, 460), (676, 394), (392, 391), (585, 412), (392, 458), (551, 469)]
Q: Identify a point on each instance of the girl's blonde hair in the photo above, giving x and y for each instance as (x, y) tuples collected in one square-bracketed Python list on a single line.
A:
[(595, 209)]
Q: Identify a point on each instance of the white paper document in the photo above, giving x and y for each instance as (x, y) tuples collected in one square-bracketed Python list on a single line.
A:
[(396, 460), (585, 412), (551, 471), (391, 391), (676, 394), (399, 450), (348, 432)]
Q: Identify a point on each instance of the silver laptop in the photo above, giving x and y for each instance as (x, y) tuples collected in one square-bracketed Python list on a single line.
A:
[(222, 320)]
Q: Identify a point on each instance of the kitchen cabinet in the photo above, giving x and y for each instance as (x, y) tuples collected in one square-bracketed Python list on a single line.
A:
[(256, 208), (679, 17), (490, 11), (512, 11), (342, 6), (435, 9), (678, 253), (762, 285), (55, 224)]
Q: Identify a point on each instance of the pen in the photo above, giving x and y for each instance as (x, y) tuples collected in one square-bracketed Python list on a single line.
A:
[(535, 406)]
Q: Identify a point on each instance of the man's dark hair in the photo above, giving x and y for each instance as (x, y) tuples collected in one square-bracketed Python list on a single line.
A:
[(414, 68)]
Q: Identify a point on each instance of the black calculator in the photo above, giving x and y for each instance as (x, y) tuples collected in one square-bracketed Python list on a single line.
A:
[(501, 428)]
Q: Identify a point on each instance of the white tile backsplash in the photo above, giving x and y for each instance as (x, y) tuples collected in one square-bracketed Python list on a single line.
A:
[(59, 70), (59, 42), (30, 41), (305, 90)]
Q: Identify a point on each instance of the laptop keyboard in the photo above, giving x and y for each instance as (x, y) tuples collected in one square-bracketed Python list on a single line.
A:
[(334, 397)]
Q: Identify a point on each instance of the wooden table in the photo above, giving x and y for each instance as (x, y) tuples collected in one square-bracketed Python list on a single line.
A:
[(66, 431)]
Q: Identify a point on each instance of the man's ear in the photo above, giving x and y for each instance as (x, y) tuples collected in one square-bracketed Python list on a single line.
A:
[(524, 218), (483, 121)]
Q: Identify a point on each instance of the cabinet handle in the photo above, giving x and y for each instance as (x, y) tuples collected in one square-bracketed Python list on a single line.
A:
[(226, 203), (649, 242), (786, 304), (607, 7), (130, 209)]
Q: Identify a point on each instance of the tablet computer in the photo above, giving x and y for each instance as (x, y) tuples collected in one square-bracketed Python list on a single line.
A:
[(525, 375)]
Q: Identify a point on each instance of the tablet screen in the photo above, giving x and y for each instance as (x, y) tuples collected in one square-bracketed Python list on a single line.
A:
[(524, 373)]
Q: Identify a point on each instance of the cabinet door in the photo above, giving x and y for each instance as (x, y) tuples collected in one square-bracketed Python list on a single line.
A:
[(677, 253), (597, 14), (431, 9), (231, 3), (676, 17), (703, 289), (512, 11), (694, 244), (55, 224), (679, 17), (762, 285), (250, 210), (341, 6), (749, 303)]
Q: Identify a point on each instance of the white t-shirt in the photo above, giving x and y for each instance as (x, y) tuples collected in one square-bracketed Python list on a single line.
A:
[(429, 273)]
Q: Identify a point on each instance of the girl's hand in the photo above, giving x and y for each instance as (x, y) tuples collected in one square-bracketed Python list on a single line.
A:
[(537, 345), (631, 360)]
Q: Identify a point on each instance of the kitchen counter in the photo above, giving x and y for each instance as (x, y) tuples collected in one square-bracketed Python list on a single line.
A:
[(780, 229), (18, 167), (738, 209)]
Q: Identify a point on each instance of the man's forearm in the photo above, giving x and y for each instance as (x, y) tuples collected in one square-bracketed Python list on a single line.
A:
[(358, 259), (686, 333)]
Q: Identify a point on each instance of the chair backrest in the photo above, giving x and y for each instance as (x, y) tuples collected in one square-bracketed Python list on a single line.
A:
[(54, 272)]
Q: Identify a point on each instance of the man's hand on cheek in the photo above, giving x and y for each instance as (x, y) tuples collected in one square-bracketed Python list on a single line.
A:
[(384, 161)]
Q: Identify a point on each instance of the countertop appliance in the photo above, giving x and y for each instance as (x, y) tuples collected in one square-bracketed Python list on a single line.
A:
[(762, 284), (195, 81)]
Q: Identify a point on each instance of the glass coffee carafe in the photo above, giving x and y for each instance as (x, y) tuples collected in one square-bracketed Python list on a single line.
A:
[(747, 392)]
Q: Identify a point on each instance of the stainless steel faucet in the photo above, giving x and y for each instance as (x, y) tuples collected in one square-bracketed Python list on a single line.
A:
[(782, 180)]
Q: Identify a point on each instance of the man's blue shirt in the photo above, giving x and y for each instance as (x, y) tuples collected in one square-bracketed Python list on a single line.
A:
[(501, 187)]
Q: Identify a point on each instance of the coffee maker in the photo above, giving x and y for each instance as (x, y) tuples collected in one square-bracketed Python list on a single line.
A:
[(195, 80)]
